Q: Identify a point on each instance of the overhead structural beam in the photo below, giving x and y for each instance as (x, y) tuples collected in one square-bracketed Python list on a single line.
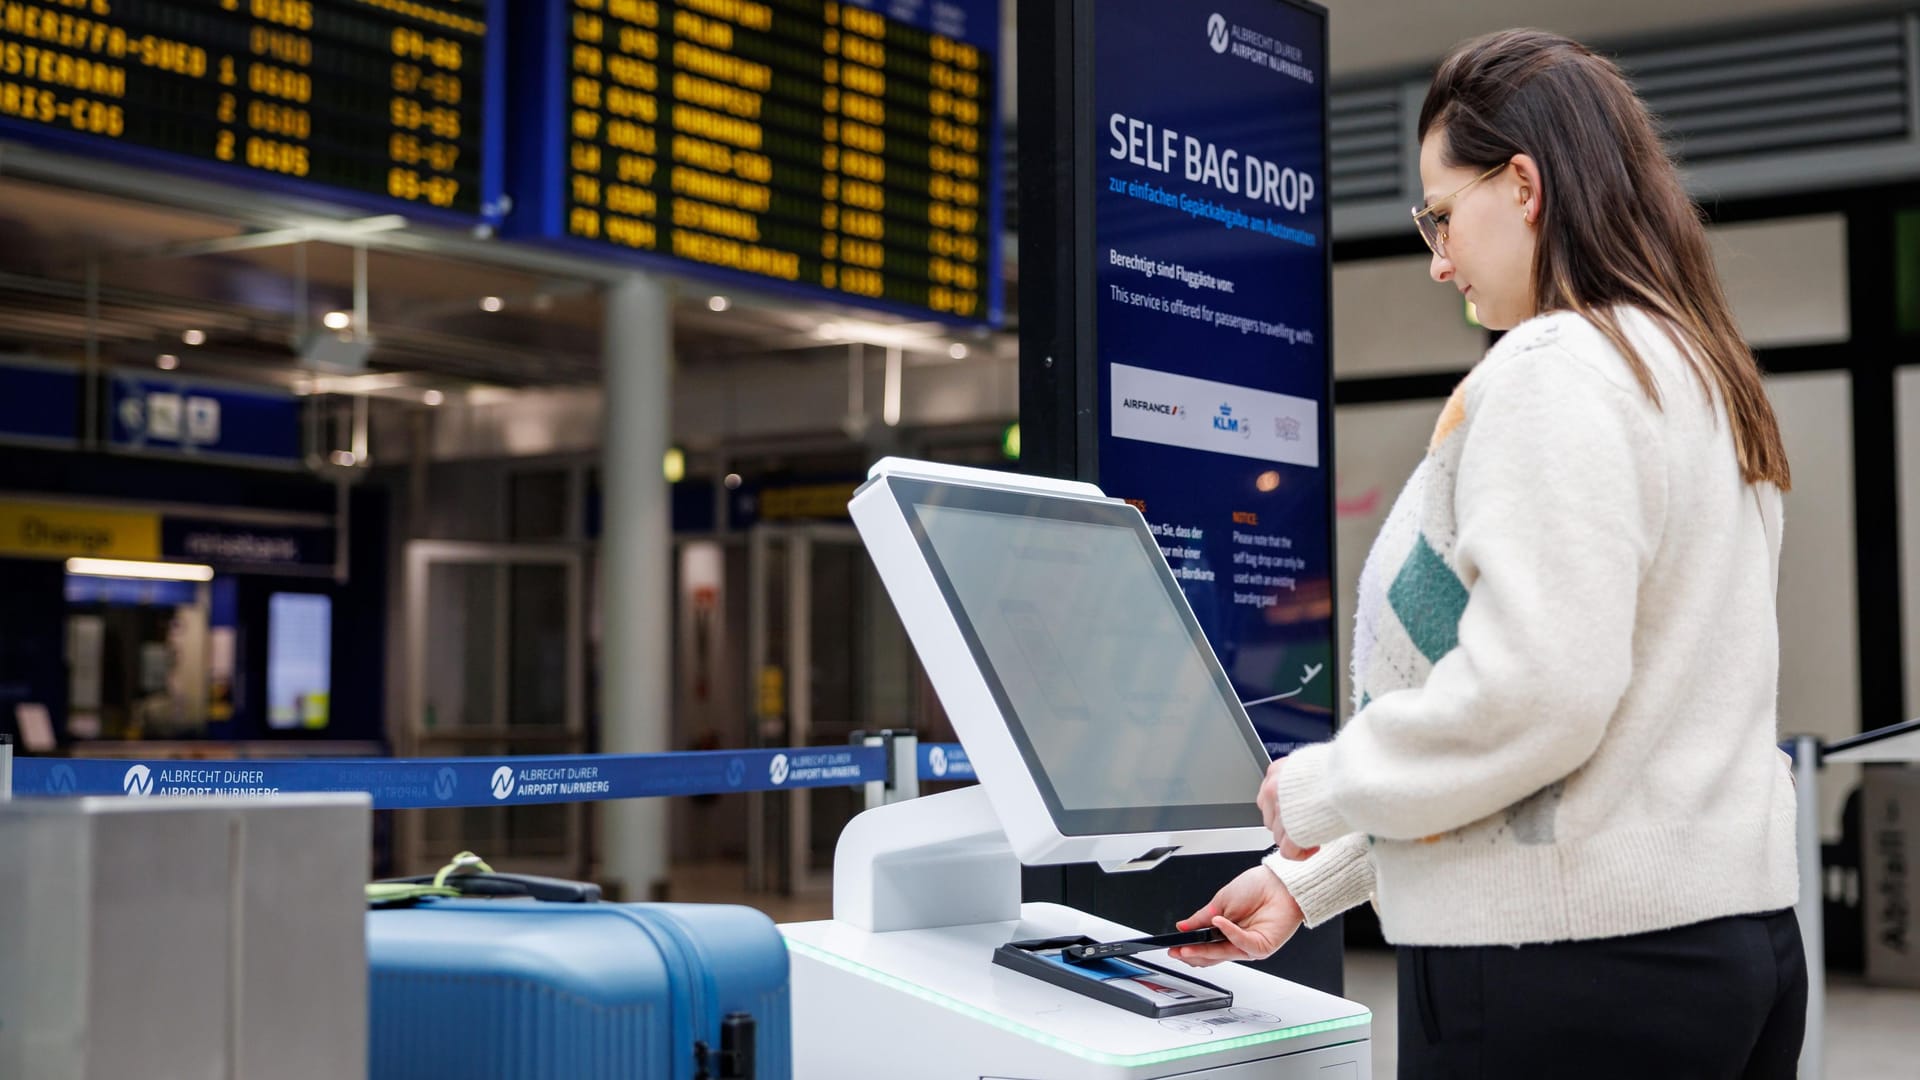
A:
[(342, 232), (279, 214)]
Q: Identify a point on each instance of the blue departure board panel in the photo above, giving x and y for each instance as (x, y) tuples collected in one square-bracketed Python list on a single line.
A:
[(377, 102), (841, 149)]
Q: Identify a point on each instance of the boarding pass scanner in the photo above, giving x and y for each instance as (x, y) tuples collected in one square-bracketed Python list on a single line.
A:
[(1103, 729)]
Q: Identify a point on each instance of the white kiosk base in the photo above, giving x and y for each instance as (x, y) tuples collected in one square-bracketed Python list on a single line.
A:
[(930, 1004), (877, 993)]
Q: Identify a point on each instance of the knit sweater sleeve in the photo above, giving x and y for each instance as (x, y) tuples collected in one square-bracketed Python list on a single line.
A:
[(1337, 877), (1560, 503)]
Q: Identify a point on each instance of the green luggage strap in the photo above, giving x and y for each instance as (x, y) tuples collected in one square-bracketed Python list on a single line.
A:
[(404, 893)]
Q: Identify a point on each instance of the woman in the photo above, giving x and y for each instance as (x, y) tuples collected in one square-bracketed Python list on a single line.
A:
[(1560, 787)]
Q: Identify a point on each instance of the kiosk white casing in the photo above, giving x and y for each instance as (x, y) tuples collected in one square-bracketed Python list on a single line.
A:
[(901, 980)]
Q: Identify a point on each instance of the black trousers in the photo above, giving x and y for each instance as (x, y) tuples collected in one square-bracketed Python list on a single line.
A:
[(1718, 1000)]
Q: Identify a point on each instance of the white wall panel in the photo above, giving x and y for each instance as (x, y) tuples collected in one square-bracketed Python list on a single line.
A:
[(1907, 392), (1786, 279), (1819, 621), (1390, 318)]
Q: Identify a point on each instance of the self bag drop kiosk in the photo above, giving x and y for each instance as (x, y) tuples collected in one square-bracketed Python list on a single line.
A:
[(1103, 729)]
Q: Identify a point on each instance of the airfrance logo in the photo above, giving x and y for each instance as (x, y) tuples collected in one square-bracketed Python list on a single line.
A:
[(1160, 407), (138, 781), (937, 758), (502, 782), (444, 784), (1217, 32), (1228, 422), (777, 771)]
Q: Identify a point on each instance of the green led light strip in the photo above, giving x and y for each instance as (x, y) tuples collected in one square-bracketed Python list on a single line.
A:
[(1086, 1052)]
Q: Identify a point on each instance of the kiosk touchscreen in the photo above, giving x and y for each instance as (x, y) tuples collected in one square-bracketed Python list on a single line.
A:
[(1103, 729)]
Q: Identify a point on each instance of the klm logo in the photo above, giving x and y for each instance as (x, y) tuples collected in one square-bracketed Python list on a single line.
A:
[(1160, 407), (1226, 421)]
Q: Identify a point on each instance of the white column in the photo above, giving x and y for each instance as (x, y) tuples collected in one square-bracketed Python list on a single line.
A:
[(636, 541)]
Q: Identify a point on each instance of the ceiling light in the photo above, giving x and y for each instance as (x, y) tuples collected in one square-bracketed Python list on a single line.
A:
[(491, 303), (337, 320), (194, 337), (718, 303), (732, 481), (345, 458), (433, 397), (151, 571), (957, 351), (166, 361)]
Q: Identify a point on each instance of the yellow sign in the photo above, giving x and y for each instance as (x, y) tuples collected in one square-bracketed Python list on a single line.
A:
[(59, 532), (773, 692), (807, 501)]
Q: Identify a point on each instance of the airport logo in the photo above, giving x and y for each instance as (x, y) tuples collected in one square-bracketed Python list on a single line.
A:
[(937, 757), (777, 771), (502, 782), (1160, 407), (1217, 32), (138, 781), (1226, 421), (445, 783), (736, 772), (62, 781)]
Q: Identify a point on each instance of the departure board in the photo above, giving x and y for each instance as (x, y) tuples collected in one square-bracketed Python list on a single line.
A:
[(845, 148), (379, 99)]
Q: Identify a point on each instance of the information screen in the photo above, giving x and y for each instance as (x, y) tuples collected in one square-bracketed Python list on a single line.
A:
[(847, 148), (384, 99), (299, 660), (1211, 306)]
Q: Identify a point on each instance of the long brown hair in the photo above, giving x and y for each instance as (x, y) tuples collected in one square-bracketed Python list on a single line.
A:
[(1616, 225)]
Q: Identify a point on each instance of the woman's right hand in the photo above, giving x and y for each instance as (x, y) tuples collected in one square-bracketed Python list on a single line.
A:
[(1255, 911)]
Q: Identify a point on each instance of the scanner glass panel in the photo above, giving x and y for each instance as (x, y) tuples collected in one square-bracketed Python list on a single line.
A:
[(1116, 701)]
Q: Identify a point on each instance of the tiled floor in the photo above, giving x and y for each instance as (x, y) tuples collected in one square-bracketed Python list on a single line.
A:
[(1873, 1033)]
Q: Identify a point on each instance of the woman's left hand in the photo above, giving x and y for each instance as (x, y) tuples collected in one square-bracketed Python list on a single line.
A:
[(1269, 801)]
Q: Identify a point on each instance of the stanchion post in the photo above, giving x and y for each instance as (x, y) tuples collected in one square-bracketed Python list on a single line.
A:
[(6, 767), (903, 765), (1811, 909)]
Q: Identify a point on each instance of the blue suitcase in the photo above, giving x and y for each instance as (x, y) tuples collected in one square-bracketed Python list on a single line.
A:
[(515, 989)]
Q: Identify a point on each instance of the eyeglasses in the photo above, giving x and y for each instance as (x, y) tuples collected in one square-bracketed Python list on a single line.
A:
[(1433, 225)]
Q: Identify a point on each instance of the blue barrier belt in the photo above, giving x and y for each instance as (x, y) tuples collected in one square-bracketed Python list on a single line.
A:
[(426, 783), (945, 761)]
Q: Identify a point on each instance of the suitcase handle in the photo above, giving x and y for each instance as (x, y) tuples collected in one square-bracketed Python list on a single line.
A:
[(554, 890), (469, 876)]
